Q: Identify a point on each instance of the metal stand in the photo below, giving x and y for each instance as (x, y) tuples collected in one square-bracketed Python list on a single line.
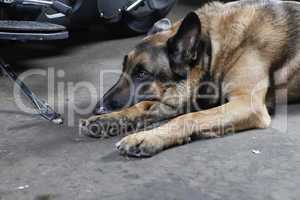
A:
[(41, 107), (27, 31)]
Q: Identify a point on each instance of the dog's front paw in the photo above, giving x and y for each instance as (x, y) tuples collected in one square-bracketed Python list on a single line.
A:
[(101, 128), (140, 145)]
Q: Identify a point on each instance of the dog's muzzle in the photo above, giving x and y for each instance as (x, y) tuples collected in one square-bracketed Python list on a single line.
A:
[(101, 110)]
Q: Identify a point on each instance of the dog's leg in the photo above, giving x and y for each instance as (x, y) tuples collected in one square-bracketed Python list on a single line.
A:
[(237, 115), (115, 123), (128, 120)]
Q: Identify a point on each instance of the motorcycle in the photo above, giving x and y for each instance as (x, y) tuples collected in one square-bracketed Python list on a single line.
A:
[(40, 20), (126, 16)]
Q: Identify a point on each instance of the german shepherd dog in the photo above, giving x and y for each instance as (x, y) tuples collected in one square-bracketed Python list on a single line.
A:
[(219, 70)]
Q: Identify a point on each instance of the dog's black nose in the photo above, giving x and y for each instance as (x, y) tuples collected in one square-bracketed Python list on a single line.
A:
[(100, 110)]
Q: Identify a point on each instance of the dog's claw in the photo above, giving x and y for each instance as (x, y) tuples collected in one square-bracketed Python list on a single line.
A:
[(118, 144)]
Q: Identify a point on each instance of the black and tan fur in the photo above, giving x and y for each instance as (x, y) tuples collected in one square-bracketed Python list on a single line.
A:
[(249, 49)]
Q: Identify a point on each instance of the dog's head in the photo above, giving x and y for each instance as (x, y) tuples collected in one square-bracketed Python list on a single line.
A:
[(158, 61)]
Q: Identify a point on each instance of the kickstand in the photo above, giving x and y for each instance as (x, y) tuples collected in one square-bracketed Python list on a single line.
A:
[(41, 107)]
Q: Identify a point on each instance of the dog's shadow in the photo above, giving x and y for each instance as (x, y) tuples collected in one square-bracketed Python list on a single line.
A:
[(115, 156)]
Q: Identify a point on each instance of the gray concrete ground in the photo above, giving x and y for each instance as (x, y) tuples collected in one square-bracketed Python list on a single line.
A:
[(39, 160)]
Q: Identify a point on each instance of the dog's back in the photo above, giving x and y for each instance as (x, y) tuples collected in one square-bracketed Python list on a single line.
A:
[(293, 64), (272, 27)]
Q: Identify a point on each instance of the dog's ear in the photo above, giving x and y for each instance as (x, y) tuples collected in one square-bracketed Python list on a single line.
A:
[(162, 25), (183, 47)]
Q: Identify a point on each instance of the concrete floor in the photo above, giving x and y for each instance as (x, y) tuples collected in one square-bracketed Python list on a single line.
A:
[(39, 160)]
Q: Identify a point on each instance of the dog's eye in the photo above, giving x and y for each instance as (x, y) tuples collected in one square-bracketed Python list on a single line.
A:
[(142, 74)]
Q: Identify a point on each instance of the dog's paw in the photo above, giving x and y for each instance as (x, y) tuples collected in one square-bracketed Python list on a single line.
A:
[(140, 145), (101, 128)]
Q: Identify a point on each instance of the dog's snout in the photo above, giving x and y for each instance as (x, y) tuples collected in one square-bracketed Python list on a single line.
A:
[(101, 110), (108, 106)]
